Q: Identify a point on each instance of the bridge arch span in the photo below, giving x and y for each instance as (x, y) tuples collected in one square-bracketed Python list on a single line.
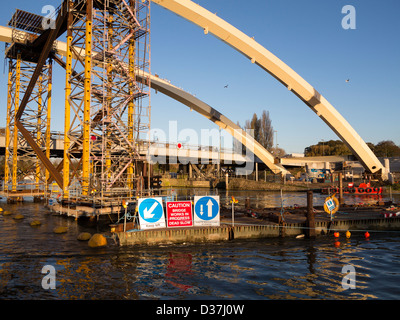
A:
[(221, 29), (213, 115)]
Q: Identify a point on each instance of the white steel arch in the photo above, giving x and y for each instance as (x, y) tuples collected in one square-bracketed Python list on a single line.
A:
[(211, 23), (213, 115)]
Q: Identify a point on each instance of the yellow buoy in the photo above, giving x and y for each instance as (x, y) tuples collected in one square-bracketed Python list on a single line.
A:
[(84, 236), (19, 217), (35, 223), (348, 234), (60, 229), (1, 209), (97, 240), (7, 213)]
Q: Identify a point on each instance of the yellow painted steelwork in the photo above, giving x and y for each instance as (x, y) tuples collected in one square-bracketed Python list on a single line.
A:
[(257, 54), (48, 122), (7, 151), (109, 98), (131, 107), (38, 126), (87, 99), (15, 133), (67, 113)]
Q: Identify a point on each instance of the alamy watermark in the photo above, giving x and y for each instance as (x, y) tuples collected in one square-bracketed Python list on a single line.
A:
[(49, 280), (49, 20), (349, 280), (349, 20)]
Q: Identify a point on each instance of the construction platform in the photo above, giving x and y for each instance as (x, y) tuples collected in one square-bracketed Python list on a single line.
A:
[(19, 195), (265, 225)]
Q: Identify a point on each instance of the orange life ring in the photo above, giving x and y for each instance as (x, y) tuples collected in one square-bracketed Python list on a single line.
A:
[(335, 200)]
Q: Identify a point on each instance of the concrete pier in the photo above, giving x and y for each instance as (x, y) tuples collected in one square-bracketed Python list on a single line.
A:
[(169, 236), (251, 231)]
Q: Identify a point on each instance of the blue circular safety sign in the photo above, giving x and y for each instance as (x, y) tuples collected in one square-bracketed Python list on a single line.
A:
[(151, 210), (206, 208)]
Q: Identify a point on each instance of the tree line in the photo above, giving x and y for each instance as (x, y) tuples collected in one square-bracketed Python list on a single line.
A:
[(386, 148)]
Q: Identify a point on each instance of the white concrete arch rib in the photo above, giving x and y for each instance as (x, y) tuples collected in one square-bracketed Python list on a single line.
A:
[(212, 24), (213, 115)]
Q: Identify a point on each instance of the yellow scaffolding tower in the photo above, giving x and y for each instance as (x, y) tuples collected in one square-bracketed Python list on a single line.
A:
[(15, 131), (106, 102)]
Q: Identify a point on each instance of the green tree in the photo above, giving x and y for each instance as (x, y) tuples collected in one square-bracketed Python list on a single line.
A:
[(266, 131), (328, 148), (386, 148), (263, 132)]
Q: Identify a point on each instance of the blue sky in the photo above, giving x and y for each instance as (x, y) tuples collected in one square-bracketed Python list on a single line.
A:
[(305, 34)]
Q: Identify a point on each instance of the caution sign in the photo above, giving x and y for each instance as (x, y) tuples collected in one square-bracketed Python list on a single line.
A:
[(151, 213), (206, 211), (179, 214)]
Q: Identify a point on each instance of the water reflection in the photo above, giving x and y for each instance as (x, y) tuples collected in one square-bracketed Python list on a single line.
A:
[(269, 199), (264, 269), (179, 268)]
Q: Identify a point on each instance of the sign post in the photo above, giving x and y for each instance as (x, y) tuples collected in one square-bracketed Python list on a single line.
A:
[(125, 205), (206, 211), (331, 205), (233, 201)]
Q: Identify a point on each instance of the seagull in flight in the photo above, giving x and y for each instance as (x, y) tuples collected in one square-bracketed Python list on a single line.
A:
[(226, 86), (347, 80)]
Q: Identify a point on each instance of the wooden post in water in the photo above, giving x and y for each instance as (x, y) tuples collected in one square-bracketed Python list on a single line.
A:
[(341, 200), (310, 224), (247, 203)]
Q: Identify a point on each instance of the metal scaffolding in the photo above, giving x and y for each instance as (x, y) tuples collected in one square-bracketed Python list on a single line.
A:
[(107, 109), (20, 159)]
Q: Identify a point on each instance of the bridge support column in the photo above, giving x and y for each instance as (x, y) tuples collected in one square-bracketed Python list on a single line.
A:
[(15, 133), (87, 98), (67, 114), (8, 124), (256, 167), (48, 120)]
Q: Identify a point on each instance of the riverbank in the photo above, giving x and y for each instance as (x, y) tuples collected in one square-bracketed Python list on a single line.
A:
[(242, 184), (251, 185)]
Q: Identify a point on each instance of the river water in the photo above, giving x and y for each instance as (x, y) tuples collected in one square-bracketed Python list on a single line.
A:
[(286, 268)]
